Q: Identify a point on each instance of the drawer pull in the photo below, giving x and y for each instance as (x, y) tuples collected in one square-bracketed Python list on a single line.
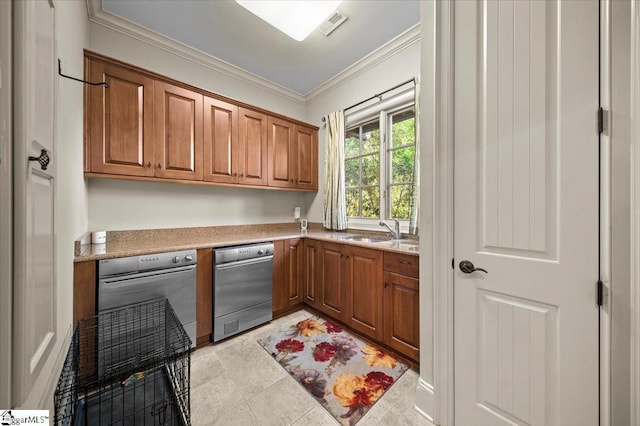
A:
[(404, 262), (292, 247)]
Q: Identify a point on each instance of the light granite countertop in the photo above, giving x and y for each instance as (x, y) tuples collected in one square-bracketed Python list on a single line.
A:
[(140, 242)]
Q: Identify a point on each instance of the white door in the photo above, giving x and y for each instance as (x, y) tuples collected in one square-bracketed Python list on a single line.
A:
[(526, 210), (34, 307)]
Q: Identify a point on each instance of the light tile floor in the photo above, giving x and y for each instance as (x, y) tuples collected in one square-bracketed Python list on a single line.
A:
[(236, 382)]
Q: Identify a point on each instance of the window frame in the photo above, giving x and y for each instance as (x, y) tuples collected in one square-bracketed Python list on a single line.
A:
[(384, 117)]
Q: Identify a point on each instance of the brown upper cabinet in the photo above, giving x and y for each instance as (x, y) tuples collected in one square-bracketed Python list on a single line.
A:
[(281, 141), (253, 147), (119, 125), (178, 137), (146, 126), (305, 157), (220, 141), (293, 155)]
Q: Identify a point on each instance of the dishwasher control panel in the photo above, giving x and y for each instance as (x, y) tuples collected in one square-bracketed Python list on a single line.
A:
[(251, 251), (149, 262)]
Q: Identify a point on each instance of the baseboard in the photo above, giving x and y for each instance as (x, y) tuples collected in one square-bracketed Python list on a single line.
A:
[(424, 399)]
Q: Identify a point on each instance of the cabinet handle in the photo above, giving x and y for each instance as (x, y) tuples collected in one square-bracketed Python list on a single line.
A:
[(346, 256), (292, 247), (235, 174), (241, 175), (158, 166), (386, 284), (148, 164), (404, 262)]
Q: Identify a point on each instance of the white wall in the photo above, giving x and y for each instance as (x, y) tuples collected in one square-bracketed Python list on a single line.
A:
[(71, 198), (118, 204), (396, 68), (620, 133)]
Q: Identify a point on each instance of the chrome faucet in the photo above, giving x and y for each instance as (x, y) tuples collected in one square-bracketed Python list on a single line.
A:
[(395, 233)]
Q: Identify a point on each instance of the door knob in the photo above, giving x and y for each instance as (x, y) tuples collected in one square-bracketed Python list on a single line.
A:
[(467, 267), (43, 159)]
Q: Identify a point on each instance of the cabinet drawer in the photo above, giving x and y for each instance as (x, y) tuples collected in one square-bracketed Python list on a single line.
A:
[(402, 264)]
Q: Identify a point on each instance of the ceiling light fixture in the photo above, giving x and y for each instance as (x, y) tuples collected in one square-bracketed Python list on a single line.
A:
[(294, 18)]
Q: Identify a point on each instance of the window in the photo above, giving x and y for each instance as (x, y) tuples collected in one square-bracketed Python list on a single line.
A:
[(379, 166)]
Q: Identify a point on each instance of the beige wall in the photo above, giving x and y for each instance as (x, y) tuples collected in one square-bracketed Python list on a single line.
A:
[(117, 204), (394, 69)]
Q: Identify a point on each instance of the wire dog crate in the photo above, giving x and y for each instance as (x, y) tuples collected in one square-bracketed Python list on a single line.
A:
[(126, 366)]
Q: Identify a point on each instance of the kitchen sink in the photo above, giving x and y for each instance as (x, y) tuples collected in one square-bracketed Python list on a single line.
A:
[(361, 239), (408, 245)]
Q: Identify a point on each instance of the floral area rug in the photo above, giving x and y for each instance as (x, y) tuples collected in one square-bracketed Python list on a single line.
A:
[(344, 374)]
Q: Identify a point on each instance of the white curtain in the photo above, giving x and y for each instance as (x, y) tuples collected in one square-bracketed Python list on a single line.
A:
[(335, 204), (414, 218)]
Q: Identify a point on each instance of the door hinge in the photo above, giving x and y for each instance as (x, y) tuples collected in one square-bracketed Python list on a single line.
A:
[(599, 293), (453, 264), (602, 120)]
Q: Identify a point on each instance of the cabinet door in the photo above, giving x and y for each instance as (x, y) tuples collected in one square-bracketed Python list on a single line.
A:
[(401, 314), (178, 125), (333, 292), (253, 156), (204, 296), (365, 286), (119, 121), (311, 269), (306, 158), (288, 274), (220, 141), (281, 143), (279, 289), (293, 263)]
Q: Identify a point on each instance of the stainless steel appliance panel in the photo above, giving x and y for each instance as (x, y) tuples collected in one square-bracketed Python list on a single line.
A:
[(124, 281), (242, 288), (235, 322), (242, 284), (176, 286)]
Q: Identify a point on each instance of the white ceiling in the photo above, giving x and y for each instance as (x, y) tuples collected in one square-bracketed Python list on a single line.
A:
[(227, 31)]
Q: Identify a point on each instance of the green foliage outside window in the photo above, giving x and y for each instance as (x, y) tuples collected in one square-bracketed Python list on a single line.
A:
[(363, 168)]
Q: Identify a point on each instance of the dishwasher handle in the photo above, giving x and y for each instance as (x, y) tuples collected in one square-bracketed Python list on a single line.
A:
[(122, 279), (245, 262)]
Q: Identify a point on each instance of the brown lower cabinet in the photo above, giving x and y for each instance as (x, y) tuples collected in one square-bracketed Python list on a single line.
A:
[(402, 303), (84, 289), (332, 292), (288, 274), (311, 283), (375, 293), (364, 286), (402, 314), (350, 286), (204, 296)]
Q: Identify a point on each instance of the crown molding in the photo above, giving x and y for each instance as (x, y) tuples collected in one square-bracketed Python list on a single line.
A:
[(394, 46), (99, 16)]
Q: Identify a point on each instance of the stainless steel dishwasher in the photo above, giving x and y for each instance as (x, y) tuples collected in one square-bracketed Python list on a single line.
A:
[(242, 284), (128, 280)]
